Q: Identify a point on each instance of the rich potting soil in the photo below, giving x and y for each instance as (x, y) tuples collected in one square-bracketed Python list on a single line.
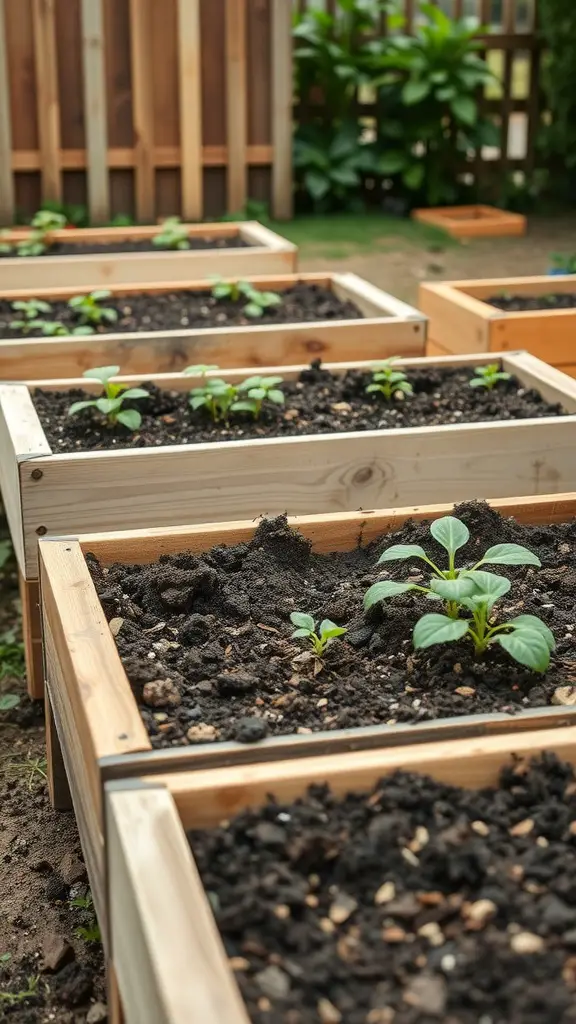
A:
[(206, 639), (189, 310), (417, 903), (317, 403), (145, 245), (518, 303)]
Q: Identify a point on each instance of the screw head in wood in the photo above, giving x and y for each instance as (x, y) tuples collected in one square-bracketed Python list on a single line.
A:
[(41, 531), (37, 474)]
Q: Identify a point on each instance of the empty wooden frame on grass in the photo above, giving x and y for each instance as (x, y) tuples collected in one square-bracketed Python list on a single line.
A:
[(99, 733), (461, 320), (168, 956), (86, 492), (474, 221), (386, 327), (265, 253)]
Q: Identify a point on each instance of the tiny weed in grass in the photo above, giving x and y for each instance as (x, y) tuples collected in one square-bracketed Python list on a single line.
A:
[(388, 381), (473, 592), (31, 770), (258, 302), (320, 638), (110, 405), (488, 376), (90, 311), (172, 235)]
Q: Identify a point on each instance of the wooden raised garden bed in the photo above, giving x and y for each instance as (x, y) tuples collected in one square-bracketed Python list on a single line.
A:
[(47, 491), (258, 250), (101, 732), (473, 221), (382, 327), (462, 319), (479, 931)]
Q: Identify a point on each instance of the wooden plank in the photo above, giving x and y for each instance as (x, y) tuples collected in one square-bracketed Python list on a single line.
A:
[(547, 334), (473, 221), (48, 107), (145, 841), (543, 284), (7, 199), (456, 321), (236, 104), (95, 110), (282, 76), (21, 439), (371, 300), (124, 157), (276, 281), (190, 94), (32, 637), (553, 384), (142, 106), (58, 788)]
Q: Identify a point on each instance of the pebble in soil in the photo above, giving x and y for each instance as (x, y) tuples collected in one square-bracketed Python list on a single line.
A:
[(206, 639), (418, 903), (167, 311), (516, 303), (319, 402), (83, 249)]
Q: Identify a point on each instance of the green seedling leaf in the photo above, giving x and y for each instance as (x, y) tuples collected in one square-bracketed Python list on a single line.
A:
[(453, 590), (252, 310), (527, 646), (438, 629), (9, 701), (298, 633), (329, 629), (534, 623), (277, 397), (302, 620), (102, 373), (200, 370), (135, 393), (509, 554), (129, 418), (78, 406), (400, 551), (450, 533), (108, 405), (382, 591)]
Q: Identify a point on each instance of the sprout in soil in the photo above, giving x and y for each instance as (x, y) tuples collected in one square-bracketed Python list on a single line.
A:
[(172, 235), (42, 223), (319, 641), (110, 404), (258, 390), (488, 376), (200, 370), (88, 308), (30, 311), (473, 592), (220, 397), (48, 220), (55, 329), (258, 302), (388, 381)]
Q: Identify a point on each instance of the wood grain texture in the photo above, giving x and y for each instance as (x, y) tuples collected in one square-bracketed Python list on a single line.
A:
[(145, 841), (58, 788), (282, 78), (552, 383), (458, 324), (190, 97), (7, 197), (32, 636), (21, 440), (48, 106), (236, 104), (142, 106), (95, 110)]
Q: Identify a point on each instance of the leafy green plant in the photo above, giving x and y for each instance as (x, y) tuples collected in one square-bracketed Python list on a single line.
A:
[(320, 638), (564, 263), (557, 138), (254, 209), (258, 390), (110, 405), (220, 397), (473, 591), (172, 235), (48, 220), (12, 998), (30, 310), (8, 701), (55, 329), (43, 223), (258, 301), (200, 370), (216, 396), (386, 380), (89, 930), (88, 308), (11, 655), (330, 164), (488, 376), (33, 771)]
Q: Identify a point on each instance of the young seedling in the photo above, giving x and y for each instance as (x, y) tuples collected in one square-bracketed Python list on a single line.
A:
[(488, 376), (89, 931), (88, 308), (258, 390), (110, 405), (30, 311), (200, 370), (55, 329), (257, 302), (48, 220), (42, 223), (12, 998), (172, 235), (319, 641), (220, 397), (388, 381), (475, 591), (217, 396)]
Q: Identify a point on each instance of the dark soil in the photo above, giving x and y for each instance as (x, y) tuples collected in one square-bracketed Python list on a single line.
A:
[(172, 311), (205, 640), (82, 249), (318, 403), (413, 904), (517, 303)]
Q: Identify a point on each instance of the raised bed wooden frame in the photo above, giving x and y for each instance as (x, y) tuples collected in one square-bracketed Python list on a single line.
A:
[(168, 955), (461, 321), (56, 494), (475, 221), (268, 253), (94, 724), (388, 327)]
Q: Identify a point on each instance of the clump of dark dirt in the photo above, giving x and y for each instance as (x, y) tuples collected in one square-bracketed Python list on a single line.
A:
[(518, 303), (189, 310), (206, 639), (416, 903), (319, 402), (81, 249)]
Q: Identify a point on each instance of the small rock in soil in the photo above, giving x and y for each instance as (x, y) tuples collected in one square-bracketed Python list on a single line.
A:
[(71, 869), (97, 1014), (56, 888), (527, 942), (73, 984), (56, 952), (250, 730), (427, 992), (273, 982)]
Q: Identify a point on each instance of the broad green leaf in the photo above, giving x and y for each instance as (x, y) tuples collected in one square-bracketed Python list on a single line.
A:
[(78, 406), (327, 625), (250, 382), (257, 394), (414, 176), (385, 589), (277, 397), (271, 382), (253, 310), (80, 331), (271, 299), (108, 405), (450, 533), (102, 373), (477, 382), (533, 622), (438, 629), (101, 294), (221, 291), (414, 91), (300, 632), (199, 370), (489, 588), (135, 393), (330, 634), (465, 109), (453, 590), (317, 184), (401, 551), (527, 646), (345, 176), (509, 554), (392, 162), (110, 314), (197, 401), (303, 620), (9, 701), (245, 406), (130, 418)]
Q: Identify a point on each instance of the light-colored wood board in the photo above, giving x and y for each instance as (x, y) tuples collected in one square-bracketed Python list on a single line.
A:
[(58, 788), (115, 1011), (190, 98), (142, 106), (433, 348), (542, 284), (282, 87), (454, 325), (21, 439), (473, 221), (552, 383), (371, 300), (154, 891), (124, 157), (374, 469), (258, 234), (236, 104), (32, 636), (135, 232), (47, 97), (95, 110), (547, 334), (7, 196)]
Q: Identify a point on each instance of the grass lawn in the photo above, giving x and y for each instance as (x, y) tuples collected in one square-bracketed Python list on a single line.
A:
[(339, 235)]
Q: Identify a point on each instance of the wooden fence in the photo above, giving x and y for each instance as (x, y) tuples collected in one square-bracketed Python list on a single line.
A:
[(145, 107)]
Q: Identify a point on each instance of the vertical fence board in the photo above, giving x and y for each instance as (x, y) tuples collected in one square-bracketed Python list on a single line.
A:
[(47, 99), (281, 110), (142, 107), (6, 180), (236, 104), (95, 111), (190, 97)]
